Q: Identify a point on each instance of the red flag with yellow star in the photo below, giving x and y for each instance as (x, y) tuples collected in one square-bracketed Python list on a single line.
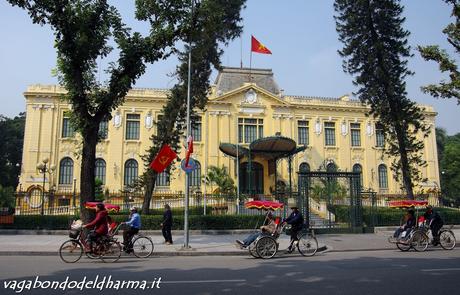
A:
[(165, 156), (258, 47)]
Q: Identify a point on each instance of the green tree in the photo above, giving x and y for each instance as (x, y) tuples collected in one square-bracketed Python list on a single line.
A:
[(441, 139), (98, 190), (375, 52), (450, 170), (12, 134), (447, 64), (220, 177), (7, 197), (214, 23), (84, 31)]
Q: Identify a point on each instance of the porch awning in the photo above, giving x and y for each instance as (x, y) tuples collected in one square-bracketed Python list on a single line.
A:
[(271, 148), (231, 149)]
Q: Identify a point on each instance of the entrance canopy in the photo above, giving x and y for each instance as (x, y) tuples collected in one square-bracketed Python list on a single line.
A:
[(232, 150), (270, 148)]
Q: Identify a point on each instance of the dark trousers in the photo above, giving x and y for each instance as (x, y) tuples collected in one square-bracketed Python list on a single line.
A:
[(166, 230), (435, 227), (294, 235), (92, 238), (128, 234)]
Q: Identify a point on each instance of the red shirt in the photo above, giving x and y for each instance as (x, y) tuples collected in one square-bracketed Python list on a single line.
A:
[(100, 223)]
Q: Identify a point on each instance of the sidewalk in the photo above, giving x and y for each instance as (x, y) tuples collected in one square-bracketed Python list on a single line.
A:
[(202, 244)]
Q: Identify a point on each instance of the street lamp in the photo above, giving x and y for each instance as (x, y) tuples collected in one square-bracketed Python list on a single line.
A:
[(42, 168), (74, 192)]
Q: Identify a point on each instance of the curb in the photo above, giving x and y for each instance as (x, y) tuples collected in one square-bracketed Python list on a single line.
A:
[(323, 249), (145, 232)]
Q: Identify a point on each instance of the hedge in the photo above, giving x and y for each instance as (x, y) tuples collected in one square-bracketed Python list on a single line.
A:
[(194, 210), (389, 217), (149, 222)]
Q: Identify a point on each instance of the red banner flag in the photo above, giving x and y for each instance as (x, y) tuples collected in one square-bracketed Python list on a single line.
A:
[(189, 150), (165, 156), (258, 47)]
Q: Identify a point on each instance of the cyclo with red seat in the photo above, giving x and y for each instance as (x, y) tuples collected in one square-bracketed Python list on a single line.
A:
[(266, 245)]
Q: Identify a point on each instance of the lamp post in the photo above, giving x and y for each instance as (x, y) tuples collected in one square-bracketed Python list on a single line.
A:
[(74, 193), (42, 168)]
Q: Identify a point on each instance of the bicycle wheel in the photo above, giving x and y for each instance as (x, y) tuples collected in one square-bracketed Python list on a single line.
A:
[(403, 246), (447, 240), (266, 247), (253, 251), (307, 245), (71, 251), (142, 247), (91, 255), (112, 252), (420, 241)]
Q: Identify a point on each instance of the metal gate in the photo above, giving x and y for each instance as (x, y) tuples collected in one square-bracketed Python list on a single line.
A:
[(331, 200)]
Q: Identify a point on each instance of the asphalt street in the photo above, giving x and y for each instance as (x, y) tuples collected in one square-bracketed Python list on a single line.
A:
[(373, 272)]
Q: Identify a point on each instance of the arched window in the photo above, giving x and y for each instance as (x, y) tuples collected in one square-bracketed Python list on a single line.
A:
[(304, 167), (66, 171), (383, 176), (163, 179), (99, 172), (331, 167), (195, 175), (131, 169), (359, 169)]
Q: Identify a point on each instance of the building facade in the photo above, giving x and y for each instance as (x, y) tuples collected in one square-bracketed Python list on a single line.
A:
[(243, 106)]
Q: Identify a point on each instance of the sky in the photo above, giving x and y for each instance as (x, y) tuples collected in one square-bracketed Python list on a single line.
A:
[(300, 33)]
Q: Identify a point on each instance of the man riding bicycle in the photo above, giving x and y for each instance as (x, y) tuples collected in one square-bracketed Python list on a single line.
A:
[(134, 225), (435, 222), (296, 222), (100, 226)]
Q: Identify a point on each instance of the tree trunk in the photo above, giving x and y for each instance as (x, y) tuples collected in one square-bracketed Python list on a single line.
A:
[(405, 166), (87, 174), (148, 191)]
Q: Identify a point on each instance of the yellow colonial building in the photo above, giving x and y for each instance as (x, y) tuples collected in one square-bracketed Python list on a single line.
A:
[(335, 131)]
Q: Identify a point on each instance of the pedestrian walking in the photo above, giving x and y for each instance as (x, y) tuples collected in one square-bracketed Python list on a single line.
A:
[(166, 225)]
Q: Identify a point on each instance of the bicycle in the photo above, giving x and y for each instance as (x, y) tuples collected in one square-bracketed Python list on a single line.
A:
[(106, 248), (416, 239), (447, 239), (141, 246), (266, 246)]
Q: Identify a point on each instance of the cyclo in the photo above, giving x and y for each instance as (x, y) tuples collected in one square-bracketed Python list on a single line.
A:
[(107, 247), (266, 245), (417, 237)]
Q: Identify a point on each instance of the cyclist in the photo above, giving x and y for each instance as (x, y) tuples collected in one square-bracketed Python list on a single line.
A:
[(435, 222), (134, 225), (100, 226), (296, 222)]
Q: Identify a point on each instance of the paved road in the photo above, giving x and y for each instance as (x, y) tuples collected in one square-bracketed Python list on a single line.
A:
[(373, 272)]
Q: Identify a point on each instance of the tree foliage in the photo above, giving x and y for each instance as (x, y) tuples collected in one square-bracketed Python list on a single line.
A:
[(214, 23), (375, 52), (7, 198), (12, 134), (220, 177), (84, 30), (447, 64), (450, 169)]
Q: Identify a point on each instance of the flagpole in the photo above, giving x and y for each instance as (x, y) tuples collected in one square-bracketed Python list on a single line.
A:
[(241, 52), (186, 205), (250, 67), (237, 178)]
